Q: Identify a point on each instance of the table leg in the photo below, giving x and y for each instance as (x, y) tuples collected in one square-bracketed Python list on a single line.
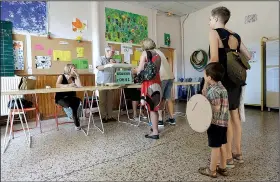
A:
[(123, 95)]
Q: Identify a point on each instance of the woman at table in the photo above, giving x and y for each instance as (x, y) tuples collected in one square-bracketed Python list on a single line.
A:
[(151, 89), (70, 78)]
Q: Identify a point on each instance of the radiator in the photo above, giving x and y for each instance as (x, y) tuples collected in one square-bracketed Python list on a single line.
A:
[(7, 83)]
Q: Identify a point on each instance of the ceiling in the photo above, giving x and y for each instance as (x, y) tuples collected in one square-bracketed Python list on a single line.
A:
[(179, 8)]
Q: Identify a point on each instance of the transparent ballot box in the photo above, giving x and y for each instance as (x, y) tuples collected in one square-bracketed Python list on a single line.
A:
[(122, 75)]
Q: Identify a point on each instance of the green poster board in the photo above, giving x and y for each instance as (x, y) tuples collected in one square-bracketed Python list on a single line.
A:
[(123, 77), (125, 27), (6, 46), (166, 39), (80, 63)]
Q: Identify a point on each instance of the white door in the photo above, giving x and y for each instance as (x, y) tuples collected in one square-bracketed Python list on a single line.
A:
[(272, 74)]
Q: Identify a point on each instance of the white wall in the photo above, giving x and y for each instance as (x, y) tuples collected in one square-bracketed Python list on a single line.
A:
[(171, 25), (197, 29), (61, 14)]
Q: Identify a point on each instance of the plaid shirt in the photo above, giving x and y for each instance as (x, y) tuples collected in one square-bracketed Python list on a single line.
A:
[(217, 96)]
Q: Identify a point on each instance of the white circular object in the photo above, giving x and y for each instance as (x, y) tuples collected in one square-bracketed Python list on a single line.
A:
[(199, 113)]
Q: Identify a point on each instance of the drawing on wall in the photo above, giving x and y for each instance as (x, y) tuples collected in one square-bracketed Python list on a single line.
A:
[(26, 16), (125, 27), (79, 25), (43, 62), (18, 55)]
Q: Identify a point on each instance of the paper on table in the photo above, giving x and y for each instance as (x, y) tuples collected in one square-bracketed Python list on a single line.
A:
[(43, 62), (137, 55), (127, 57), (80, 52)]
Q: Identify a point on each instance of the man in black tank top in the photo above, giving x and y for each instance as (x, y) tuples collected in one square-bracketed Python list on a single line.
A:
[(219, 34)]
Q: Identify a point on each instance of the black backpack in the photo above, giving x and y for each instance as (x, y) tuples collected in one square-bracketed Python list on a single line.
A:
[(149, 72)]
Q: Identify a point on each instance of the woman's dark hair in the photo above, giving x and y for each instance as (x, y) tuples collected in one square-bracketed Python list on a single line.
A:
[(221, 12), (215, 70)]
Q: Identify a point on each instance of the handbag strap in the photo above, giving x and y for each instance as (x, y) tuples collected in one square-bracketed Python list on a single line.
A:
[(149, 56)]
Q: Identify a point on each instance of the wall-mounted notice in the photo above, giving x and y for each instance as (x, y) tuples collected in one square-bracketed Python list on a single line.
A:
[(117, 52), (80, 63), (80, 52), (137, 55), (18, 55), (59, 55), (39, 47), (126, 48), (43, 62)]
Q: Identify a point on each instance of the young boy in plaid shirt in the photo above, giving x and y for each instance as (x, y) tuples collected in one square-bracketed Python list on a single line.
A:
[(217, 132)]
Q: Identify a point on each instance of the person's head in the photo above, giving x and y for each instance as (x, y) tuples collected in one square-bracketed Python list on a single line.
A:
[(109, 51), (213, 72), (69, 69), (148, 44), (219, 17)]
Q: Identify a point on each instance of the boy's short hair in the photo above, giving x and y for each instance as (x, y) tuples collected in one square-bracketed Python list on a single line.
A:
[(221, 12), (215, 70)]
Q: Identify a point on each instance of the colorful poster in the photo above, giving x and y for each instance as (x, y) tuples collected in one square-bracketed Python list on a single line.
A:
[(79, 25), (137, 55), (80, 63), (166, 39), (117, 52), (26, 16), (125, 27), (43, 62), (134, 63), (117, 58), (80, 52), (18, 55)]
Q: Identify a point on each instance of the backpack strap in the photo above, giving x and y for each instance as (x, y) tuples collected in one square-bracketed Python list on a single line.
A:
[(149, 56), (224, 36)]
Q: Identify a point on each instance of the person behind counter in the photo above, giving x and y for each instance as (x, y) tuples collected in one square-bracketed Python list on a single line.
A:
[(106, 76), (70, 78)]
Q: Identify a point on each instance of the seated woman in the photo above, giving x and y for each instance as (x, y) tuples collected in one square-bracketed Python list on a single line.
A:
[(151, 89), (70, 78)]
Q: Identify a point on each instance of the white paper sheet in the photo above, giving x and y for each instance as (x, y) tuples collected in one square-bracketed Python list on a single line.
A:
[(43, 62), (125, 48), (127, 57)]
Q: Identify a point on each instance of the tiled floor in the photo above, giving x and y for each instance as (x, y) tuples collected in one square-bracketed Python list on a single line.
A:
[(123, 154)]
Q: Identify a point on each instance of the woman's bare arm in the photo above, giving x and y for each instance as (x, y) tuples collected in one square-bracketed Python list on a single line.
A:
[(142, 62)]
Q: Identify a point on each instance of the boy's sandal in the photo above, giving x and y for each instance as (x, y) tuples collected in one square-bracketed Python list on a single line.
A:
[(207, 172), (238, 158), (222, 172)]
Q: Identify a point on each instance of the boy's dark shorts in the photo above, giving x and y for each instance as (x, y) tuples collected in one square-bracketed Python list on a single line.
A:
[(217, 136)]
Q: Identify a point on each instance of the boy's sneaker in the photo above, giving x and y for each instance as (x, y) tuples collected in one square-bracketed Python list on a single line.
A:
[(171, 121), (160, 123)]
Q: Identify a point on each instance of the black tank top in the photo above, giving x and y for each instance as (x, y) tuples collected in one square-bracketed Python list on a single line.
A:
[(224, 36), (61, 95)]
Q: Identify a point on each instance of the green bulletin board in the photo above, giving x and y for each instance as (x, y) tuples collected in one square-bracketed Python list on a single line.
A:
[(125, 27), (6, 48)]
